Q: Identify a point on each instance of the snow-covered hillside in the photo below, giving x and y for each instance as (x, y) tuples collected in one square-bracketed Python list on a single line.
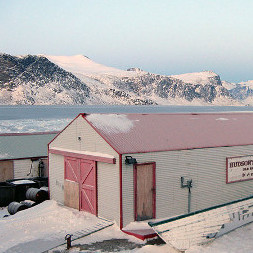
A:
[(248, 84), (45, 79), (203, 78), (79, 64)]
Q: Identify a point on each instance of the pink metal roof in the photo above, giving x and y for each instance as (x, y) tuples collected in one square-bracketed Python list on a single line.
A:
[(134, 133)]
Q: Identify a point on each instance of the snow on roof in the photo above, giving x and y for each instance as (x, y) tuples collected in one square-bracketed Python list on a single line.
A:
[(133, 133), (4, 156), (24, 145), (83, 65), (111, 123), (196, 78)]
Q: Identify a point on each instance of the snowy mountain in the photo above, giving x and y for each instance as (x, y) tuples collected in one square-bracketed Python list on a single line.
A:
[(43, 79), (36, 80), (242, 91)]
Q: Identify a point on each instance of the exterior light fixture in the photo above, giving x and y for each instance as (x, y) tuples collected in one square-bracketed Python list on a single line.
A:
[(130, 160)]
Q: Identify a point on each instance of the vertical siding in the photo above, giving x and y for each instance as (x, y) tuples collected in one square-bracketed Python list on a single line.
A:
[(6, 170), (108, 174), (56, 177), (128, 191), (45, 170), (22, 168), (206, 167), (108, 191)]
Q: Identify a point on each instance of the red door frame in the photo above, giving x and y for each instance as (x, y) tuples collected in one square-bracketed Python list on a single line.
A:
[(154, 188), (95, 164)]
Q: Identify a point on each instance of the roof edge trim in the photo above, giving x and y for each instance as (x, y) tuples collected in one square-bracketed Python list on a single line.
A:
[(167, 150)]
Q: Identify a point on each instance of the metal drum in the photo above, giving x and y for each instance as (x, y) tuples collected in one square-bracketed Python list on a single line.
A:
[(36, 195), (28, 203), (15, 207)]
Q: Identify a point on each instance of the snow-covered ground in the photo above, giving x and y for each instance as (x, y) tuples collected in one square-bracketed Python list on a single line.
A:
[(50, 220), (47, 221), (238, 241), (3, 211)]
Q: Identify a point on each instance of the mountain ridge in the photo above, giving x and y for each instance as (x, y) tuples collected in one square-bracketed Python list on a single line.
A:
[(42, 79)]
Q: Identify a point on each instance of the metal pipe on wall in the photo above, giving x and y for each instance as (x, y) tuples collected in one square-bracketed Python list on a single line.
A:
[(188, 185)]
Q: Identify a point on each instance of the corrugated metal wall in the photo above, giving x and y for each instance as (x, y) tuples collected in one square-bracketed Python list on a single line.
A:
[(108, 191), (56, 177), (206, 167), (108, 174), (22, 168)]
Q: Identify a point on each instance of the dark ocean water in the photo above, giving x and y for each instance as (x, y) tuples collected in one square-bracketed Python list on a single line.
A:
[(60, 112), (20, 119)]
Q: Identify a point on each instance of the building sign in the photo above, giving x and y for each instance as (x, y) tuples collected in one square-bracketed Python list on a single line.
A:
[(239, 168)]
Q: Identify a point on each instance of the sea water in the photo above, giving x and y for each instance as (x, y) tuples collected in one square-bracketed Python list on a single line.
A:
[(21, 118)]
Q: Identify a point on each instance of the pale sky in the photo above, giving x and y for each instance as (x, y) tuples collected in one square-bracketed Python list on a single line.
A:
[(159, 36)]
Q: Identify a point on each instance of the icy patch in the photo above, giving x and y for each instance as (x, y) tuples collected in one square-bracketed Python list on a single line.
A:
[(156, 249), (3, 212), (4, 156), (137, 225), (23, 182), (111, 123), (222, 119), (32, 125)]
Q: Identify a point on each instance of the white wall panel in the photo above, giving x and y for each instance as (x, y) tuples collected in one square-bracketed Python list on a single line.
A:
[(25, 168), (56, 177), (90, 139), (206, 167), (108, 191)]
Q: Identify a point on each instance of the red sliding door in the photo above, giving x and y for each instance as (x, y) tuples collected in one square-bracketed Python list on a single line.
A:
[(83, 172), (88, 186)]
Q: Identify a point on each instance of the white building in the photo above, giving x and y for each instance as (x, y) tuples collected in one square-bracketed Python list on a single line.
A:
[(20, 154), (92, 163)]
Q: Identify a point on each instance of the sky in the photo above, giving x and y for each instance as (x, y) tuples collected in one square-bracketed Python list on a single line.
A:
[(160, 36)]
